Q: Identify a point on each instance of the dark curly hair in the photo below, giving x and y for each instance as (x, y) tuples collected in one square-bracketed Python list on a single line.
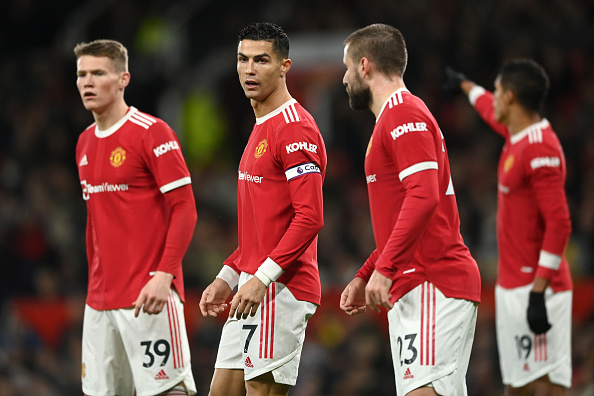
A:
[(527, 80), (266, 31)]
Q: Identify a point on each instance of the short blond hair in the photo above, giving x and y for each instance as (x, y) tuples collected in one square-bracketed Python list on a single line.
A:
[(382, 44), (111, 49)]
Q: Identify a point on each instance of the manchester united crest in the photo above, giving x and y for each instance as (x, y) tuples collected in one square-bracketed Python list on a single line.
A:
[(117, 158), (508, 164), (261, 148)]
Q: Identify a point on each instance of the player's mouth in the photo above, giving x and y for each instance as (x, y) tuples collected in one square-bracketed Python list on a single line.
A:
[(250, 84), (89, 95)]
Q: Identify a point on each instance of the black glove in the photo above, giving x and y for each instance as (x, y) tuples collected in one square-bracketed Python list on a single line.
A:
[(453, 80), (537, 313)]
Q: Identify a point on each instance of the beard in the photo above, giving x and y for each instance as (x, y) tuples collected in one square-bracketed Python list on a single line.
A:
[(359, 96)]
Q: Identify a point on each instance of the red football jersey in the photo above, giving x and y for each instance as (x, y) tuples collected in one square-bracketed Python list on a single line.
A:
[(407, 169), (279, 198), (124, 172), (533, 222)]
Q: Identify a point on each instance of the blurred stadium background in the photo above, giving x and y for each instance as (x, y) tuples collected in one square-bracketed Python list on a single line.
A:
[(183, 70)]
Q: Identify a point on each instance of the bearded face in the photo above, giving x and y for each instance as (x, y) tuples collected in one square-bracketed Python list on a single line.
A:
[(359, 93)]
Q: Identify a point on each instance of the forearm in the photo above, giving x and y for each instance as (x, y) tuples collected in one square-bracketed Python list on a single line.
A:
[(540, 284), (422, 198), (307, 221), (368, 267), (181, 228), (466, 86), (548, 188)]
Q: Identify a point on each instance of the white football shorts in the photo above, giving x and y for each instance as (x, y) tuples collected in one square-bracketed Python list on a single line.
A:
[(431, 338), (270, 341), (523, 355), (121, 353)]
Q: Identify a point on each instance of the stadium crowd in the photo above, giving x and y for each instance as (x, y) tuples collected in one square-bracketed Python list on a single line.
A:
[(183, 55)]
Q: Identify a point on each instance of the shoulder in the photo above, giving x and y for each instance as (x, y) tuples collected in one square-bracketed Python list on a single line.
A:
[(291, 120), (87, 133), (540, 137), (402, 105), (403, 114), (542, 147), (146, 121)]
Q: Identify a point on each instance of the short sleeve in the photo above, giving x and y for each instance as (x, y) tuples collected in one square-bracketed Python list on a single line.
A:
[(300, 150), (409, 135), (164, 157)]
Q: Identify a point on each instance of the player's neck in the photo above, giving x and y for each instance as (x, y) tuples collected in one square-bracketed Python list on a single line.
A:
[(381, 90), (272, 102), (520, 120), (108, 117)]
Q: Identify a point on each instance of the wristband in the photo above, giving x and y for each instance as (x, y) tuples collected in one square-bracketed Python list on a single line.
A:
[(269, 271), (262, 276), (549, 260), (474, 94), (229, 275)]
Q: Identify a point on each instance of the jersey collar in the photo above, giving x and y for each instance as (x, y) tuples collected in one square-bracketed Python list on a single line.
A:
[(542, 124), (111, 130), (278, 110), (394, 98)]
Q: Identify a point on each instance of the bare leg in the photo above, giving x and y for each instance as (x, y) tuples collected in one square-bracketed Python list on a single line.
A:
[(227, 382), (179, 389), (423, 391), (540, 387), (511, 391), (264, 385), (544, 387)]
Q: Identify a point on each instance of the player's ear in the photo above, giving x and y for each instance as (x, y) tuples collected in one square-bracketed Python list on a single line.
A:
[(509, 96), (124, 79), (364, 66), (285, 66)]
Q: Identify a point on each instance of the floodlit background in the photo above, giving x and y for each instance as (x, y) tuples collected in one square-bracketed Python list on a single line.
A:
[(182, 60)]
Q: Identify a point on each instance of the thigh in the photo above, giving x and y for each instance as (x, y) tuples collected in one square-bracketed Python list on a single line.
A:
[(265, 385), (229, 355), (105, 368), (524, 356), (431, 339), (157, 347), (272, 340), (227, 382)]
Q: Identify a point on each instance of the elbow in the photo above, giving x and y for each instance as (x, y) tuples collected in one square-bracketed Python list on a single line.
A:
[(318, 224), (194, 216), (431, 202), (313, 223)]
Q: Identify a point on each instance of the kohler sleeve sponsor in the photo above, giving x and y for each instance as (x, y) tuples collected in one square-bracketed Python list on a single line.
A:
[(551, 162), (291, 148), (166, 147), (406, 128)]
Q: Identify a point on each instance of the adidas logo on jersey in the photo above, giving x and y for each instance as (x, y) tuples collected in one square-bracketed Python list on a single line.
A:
[(161, 375), (248, 362), (83, 161), (408, 374)]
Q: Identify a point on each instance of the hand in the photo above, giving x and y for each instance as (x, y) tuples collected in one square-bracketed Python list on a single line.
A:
[(247, 299), (212, 302), (154, 294), (352, 299), (377, 292), (537, 313), (453, 81)]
